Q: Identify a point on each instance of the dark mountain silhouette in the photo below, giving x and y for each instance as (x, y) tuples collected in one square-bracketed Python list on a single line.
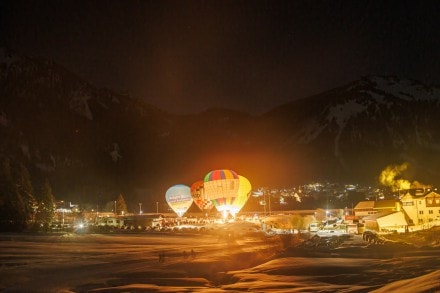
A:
[(94, 144), (354, 131)]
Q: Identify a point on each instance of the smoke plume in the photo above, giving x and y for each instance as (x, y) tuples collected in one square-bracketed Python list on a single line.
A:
[(392, 177)]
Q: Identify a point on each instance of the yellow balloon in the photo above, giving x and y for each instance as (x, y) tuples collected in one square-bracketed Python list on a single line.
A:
[(244, 192)]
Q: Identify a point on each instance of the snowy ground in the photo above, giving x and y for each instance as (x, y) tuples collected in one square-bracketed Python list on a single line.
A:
[(224, 262)]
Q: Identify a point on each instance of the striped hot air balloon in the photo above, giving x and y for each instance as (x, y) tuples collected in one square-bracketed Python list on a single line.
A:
[(221, 187)]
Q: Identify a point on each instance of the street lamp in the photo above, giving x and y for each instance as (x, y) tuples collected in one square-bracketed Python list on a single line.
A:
[(270, 210), (140, 208), (264, 203), (62, 226)]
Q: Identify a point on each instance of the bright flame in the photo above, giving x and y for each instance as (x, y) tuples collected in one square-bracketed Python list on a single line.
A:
[(388, 177)]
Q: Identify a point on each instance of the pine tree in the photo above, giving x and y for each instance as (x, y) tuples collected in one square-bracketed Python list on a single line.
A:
[(15, 196), (121, 206), (23, 182), (45, 203)]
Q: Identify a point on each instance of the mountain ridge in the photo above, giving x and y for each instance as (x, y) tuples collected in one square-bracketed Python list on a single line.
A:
[(94, 143)]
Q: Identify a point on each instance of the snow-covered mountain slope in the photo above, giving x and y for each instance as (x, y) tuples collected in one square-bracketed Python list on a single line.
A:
[(93, 143), (373, 121), (58, 123)]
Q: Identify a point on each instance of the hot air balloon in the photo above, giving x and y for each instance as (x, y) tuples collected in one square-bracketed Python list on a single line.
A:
[(243, 194), (198, 195), (179, 198), (221, 187)]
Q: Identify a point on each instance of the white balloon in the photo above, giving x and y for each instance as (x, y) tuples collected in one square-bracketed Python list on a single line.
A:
[(179, 198)]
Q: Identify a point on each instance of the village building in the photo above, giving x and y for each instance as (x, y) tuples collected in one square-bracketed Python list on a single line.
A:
[(364, 208), (369, 208), (421, 205), (381, 215), (416, 209), (387, 221)]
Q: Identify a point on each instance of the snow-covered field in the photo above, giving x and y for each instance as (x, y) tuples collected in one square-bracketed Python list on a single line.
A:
[(224, 262)]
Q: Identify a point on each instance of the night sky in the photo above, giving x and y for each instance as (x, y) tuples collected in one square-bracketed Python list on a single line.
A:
[(187, 56)]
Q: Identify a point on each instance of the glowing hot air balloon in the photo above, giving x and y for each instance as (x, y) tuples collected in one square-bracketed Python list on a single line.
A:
[(221, 187), (199, 197), (243, 194), (179, 198)]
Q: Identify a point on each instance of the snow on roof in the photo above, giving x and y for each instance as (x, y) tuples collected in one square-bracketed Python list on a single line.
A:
[(379, 215), (381, 204), (432, 194), (364, 205)]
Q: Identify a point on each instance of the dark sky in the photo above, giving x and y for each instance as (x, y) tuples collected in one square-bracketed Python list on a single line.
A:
[(186, 56)]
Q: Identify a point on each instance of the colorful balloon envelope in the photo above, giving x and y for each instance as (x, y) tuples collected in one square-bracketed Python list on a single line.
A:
[(179, 198), (244, 192), (199, 197), (222, 188)]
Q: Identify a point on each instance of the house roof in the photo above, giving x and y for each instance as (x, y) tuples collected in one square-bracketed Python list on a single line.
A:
[(432, 195), (383, 204), (388, 218), (379, 215), (416, 192), (394, 219), (380, 204), (364, 205), (410, 196)]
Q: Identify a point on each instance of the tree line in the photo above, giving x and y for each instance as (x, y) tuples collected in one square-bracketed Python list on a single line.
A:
[(25, 202)]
